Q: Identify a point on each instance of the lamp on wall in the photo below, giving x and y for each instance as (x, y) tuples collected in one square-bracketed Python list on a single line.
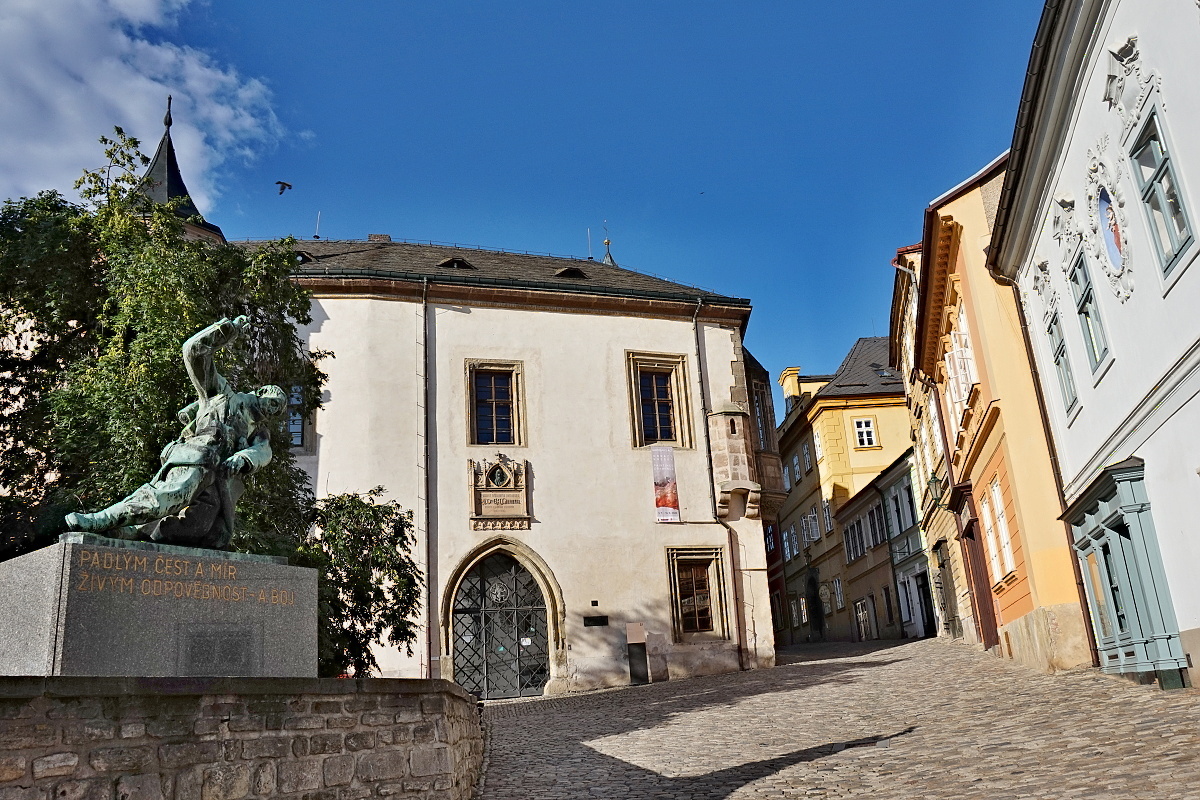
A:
[(937, 490)]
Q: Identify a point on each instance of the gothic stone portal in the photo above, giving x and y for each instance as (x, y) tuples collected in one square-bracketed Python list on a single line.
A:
[(501, 648)]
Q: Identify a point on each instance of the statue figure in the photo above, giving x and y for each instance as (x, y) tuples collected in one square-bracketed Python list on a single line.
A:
[(226, 436)]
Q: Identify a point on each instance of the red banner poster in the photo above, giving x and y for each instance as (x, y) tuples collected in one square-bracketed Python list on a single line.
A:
[(666, 491)]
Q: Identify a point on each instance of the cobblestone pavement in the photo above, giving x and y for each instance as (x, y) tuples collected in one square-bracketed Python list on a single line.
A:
[(929, 719)]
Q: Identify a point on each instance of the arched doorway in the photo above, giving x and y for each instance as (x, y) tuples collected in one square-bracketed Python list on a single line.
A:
[(501, 646)]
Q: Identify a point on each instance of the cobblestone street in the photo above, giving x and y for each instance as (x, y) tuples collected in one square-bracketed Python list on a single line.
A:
[(919, 720)]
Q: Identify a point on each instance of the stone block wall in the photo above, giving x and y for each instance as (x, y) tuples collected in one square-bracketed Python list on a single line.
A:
[(65, 738)]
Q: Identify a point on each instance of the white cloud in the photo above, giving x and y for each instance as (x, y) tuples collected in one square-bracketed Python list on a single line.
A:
[(73, 69)]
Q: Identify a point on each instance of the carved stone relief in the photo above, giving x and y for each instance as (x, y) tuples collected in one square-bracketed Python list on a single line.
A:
[(1041, 285), (1128, 84), (1065, 227), (499, 494), (1106, 219)]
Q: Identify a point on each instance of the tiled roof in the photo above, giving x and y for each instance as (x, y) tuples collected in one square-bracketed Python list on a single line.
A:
[(466, 266), (865, 371)]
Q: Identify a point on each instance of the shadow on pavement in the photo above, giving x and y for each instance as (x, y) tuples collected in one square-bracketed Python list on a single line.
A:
[(537, 749)]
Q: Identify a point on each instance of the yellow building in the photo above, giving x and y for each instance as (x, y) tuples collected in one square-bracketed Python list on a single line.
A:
[(840, 431), (968, 343)]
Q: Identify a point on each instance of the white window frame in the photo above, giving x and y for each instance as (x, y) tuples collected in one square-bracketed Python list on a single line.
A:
[(864, 433), (807, 457), (838, 597), (828, 513), (796, 466), (989, 528), (1006, 545), (787, 480), (817, 444)]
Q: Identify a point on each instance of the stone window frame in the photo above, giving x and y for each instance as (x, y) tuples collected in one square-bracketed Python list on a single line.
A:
[(1153, 129), (676, 365), (714, 559), (517, 370)]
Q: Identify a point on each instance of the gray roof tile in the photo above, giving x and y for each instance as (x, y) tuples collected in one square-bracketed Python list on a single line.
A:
[(865, 371), (409, 261)]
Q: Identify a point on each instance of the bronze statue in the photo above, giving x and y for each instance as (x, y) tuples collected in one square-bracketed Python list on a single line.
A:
[(226, 436)]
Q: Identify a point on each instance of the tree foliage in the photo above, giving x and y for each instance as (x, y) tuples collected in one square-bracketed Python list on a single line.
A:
[(368, 581), (96, 299)]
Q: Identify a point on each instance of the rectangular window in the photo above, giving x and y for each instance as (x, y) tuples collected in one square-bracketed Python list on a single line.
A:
[(813, 526), (494, 392), (1006, 546), (697, 592), (1160, 195), (769, 538), (695, 596), (837, 593), (795, 541), (796, 466), (817, 444), (777, 611), (1062, 365), (807, 457), (787, 547), (658, 396), (864, 432), (828, 512), (935, 426), (787, 479), (1089, 314), (297, 424), (887, 605), (493, 407), (909, 503), (993, 547), (804, 610), (804, 535)]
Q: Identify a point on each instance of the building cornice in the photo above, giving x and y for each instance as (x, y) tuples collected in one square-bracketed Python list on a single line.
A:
[(1064, 42), (510, 297), (938, 260)]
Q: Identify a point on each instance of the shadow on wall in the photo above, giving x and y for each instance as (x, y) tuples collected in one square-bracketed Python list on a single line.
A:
[(567, 728)]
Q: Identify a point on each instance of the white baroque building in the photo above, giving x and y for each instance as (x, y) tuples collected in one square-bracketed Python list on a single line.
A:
[(1097, 226), (540, 415)]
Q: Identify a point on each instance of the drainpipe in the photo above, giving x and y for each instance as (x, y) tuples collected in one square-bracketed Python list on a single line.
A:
[(735, 577), (1054, 463), (712, 478), (432, 647)]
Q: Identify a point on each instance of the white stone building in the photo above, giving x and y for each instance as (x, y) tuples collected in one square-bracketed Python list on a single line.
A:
[(525, 407), (1097, 225)]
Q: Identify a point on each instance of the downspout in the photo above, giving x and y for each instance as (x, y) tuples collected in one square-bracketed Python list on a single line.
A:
[(432, 646), (1054, 463), (712, 479), (735, 577)]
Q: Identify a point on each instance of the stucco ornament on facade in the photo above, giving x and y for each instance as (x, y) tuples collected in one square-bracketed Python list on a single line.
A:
[(1065, 227), (1128, 84), (1106, 219), (1045, 290)]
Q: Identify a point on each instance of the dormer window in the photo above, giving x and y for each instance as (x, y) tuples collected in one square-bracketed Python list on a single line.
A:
[(570, 272), (303, 257), (456, 262)]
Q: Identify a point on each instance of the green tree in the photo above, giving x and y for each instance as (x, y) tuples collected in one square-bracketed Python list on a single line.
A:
[(368, 581), (96, 299)]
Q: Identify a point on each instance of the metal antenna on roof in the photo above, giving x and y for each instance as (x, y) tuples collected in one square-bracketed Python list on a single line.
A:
[(317, 232)]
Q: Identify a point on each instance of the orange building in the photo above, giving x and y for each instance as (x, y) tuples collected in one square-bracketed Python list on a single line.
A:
[(1017, 560)]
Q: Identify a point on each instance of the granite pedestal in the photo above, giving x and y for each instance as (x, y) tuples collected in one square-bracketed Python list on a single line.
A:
[(90, 605)]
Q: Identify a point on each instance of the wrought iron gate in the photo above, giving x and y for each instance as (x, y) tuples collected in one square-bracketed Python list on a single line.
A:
[(501, 648)]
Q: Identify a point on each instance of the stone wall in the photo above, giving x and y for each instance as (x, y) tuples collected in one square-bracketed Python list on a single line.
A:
[(64, 738)]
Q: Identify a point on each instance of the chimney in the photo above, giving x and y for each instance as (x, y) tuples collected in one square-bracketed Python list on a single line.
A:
[(379, 237)]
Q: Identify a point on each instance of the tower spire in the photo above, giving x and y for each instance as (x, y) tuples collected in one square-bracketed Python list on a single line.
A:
[(608, 259), (163, 181)]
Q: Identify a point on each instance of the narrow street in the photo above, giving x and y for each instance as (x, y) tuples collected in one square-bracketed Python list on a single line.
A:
[(929, 719)]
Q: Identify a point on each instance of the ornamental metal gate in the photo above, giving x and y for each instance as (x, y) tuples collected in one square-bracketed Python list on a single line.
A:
[(501, 648)]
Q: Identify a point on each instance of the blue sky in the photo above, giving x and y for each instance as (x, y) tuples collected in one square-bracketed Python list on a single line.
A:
[(776, 151)]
